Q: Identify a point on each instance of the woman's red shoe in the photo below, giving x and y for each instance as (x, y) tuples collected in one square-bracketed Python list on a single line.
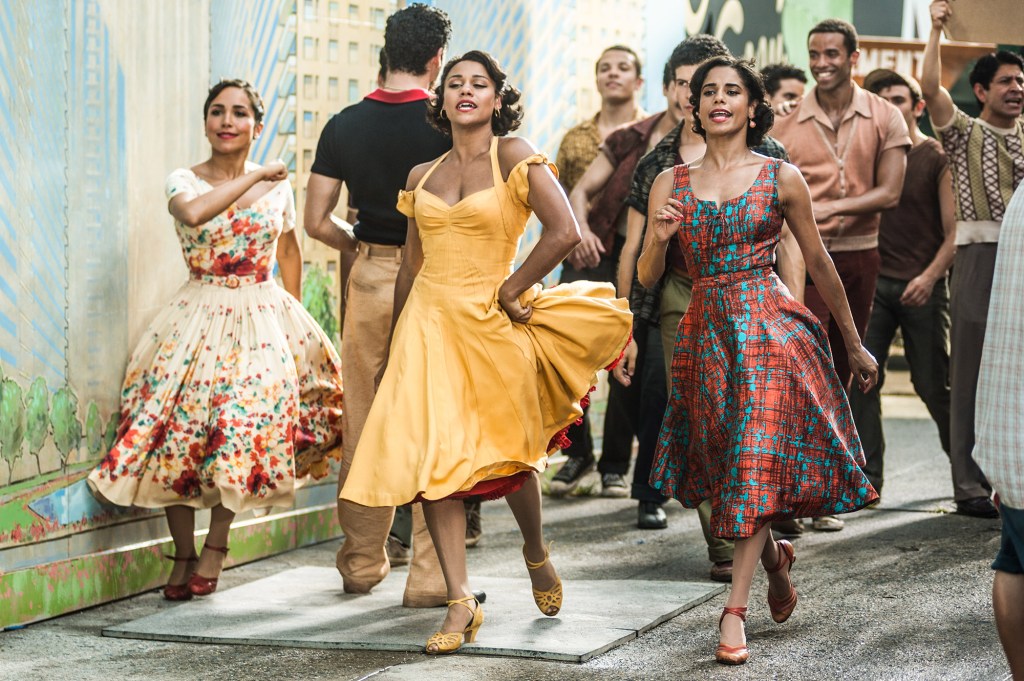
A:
[(181, 592), (782, 608), (726, 654), (204, 586)]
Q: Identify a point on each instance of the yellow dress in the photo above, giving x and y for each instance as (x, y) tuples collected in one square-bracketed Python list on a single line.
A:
[(470, 396)]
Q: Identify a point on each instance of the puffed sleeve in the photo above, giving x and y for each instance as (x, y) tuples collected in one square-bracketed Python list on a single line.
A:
[(406, 203), (181, 182), (288, 213), (518, 179)]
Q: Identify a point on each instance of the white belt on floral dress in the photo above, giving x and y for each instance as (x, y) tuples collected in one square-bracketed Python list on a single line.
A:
[(230, 280)]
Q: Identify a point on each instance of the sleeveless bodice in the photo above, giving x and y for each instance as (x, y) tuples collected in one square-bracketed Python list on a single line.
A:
[(735, 237)]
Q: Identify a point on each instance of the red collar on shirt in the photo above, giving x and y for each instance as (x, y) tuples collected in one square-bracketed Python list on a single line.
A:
[(403, 97)]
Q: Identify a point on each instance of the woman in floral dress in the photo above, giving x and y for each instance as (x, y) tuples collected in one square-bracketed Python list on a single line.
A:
[(234, 394), (757, 420)]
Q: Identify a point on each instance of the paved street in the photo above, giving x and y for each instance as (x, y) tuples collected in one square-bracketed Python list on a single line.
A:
[(902, 593)]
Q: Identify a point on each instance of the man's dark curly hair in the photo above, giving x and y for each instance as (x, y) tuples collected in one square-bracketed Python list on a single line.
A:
[(413, 35), (774, 74), (505, 120), (764, 118), (849, 33), (254, 97), (694, 50), (986, 67)]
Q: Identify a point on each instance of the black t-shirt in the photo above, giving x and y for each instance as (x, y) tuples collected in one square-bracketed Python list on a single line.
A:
[(371, 147)]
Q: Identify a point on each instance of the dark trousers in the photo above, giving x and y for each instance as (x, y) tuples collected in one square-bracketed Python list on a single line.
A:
[(622, 412), (649, 379), (970, 289), (858, 270), (925, 331)]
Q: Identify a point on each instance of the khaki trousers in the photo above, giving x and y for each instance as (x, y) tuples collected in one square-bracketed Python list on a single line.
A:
[(362, 560)]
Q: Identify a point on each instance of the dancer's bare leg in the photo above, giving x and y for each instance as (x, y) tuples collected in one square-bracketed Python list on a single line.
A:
[(446, 521), (181, 520), (211, 562), (526, 507), (748, 552)]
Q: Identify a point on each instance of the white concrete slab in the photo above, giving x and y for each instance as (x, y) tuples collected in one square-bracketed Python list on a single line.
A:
[(306, 608)]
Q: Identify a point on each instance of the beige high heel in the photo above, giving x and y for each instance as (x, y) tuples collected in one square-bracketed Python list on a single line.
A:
[(549, 602), (446, 643)]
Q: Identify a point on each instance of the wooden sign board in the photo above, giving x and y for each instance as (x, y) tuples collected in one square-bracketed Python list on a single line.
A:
[(987, 21), (907, 57)]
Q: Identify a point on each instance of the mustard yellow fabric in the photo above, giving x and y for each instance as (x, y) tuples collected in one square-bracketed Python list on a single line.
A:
[(469, 395)]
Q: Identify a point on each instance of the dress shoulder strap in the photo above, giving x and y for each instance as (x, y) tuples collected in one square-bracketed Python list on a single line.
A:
[(430, 171), (495, 166)]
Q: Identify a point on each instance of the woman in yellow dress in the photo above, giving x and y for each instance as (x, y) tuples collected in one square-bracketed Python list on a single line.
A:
[(486, 370)]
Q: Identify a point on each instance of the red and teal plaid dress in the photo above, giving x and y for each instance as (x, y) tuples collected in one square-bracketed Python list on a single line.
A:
[(757, 420)]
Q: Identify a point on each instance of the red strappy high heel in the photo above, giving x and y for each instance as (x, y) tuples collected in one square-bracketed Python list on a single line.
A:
[(782, 608), (204, 586), (726, 654), (180, 592)]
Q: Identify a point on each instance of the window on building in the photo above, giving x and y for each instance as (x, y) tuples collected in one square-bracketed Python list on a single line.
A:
[(353, 90), (353, 13), (334, 9), (309, 87), (310, 10), (353, 53), (309, 47), (332, 50), (307, 159), (308, 124), (333, 91), (375, 55), (377, 16)]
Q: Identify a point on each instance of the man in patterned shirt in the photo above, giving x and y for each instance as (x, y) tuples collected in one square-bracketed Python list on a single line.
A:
[(618, 75), (1000, 447), (986, 157)]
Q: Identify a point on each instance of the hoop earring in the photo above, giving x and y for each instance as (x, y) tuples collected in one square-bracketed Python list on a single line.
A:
[(443, 116)]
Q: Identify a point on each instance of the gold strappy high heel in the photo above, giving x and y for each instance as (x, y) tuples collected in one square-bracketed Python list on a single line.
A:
[(452, 641), (549, 602)]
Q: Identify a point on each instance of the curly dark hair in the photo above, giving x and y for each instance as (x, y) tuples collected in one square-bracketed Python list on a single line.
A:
[(254, 97), (764, 117), (849, 33), (694, 50), (986, 67), (413, 35), (774, 74), (505, 120)]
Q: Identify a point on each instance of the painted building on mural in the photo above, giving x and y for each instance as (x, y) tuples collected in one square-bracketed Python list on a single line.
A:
[(99, 100)]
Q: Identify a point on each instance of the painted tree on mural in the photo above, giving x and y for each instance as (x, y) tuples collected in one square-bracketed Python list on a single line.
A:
[(37, 416), (12, 420), (67, 431)]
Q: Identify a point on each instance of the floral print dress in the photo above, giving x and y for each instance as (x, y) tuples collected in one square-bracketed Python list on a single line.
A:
[(234, 393)]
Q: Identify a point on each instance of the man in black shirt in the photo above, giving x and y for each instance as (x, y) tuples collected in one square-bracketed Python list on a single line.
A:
[(370, 147)]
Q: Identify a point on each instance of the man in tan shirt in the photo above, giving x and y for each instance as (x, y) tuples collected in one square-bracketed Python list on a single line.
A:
[(618, 75), (851, 147)]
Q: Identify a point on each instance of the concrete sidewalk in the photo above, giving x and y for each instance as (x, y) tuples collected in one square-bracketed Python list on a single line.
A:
[(902, 593)]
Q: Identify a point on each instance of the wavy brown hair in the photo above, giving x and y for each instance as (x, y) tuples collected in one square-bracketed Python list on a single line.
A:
[(506, 119)]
